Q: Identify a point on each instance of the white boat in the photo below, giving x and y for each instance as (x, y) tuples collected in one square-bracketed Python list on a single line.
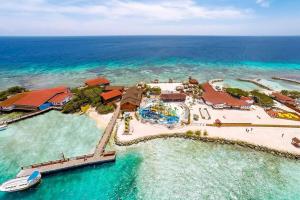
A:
[(3, 127), (21, 183)]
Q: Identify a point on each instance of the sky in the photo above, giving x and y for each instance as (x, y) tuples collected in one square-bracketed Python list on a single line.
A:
[(149, 17)]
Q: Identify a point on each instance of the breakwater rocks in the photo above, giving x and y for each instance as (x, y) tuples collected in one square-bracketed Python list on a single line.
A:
[(209, 139), (286, 79)]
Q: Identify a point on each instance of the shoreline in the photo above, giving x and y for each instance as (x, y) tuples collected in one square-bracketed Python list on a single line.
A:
[(217, 140), (101, 120)]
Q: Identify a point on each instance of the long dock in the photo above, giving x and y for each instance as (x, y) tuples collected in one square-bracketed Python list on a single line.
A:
[(286, 79), (256, 83), (98, 157)]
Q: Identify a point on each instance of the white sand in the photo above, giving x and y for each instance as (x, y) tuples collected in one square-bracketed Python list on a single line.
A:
[(265, 136), (170, 87), (101, 120), (268, 137)]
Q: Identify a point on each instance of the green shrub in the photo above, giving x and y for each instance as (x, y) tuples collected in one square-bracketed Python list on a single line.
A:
[(293, 94), (236, 92), (262, 99), (205, 133), (10, 91), (189, 133), (105, 109), (89, 95), (198, 133)]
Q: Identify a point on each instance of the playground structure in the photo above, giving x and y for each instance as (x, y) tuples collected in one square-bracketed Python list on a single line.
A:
[(160, 113)]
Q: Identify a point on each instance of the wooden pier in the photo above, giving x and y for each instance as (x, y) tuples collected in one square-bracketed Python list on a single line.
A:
[(98, 157)]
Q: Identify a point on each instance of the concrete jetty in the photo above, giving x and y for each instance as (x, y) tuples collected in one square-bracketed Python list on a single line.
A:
[(98, 157), (286, 79), (256, 83)]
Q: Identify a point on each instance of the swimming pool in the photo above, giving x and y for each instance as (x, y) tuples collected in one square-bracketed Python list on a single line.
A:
[(159, 113)]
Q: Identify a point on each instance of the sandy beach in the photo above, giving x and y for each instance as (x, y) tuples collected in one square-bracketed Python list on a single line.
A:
[(101, 120)]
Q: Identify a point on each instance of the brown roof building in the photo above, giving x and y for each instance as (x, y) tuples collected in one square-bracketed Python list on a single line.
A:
[(173, 97), (193, 81), (220, 99), (111, 96), (110, 88), (283, 98), (131, 100)]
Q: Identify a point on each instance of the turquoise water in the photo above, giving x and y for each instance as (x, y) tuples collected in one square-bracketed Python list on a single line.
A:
[(135, 71), (45, 138), (176, 169)]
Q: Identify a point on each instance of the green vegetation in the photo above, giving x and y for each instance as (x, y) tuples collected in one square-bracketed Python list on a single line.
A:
[(236, 92), (11, 115), (11, 91), (189, 133), (205, 133), (198, 133), (153, 90), (105, 109), (291, 93), (87, 96), (262, 99)]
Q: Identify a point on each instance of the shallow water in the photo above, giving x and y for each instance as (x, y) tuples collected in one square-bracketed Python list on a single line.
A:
[(45, 138), (176, 169)]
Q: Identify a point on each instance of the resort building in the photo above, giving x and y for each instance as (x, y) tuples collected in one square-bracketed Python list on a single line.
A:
[(111, 96), (37, 99), (193, 81), (283, 98), (220, 99), (110, 88), (173, 97), (99, 81), (131, 100)]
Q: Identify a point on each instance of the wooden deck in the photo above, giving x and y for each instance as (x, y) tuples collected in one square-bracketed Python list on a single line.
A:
[(66, 164), (98, 157)]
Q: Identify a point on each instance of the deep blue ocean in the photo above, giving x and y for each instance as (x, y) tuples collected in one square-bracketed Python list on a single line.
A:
[(42, 61), (158, 169)]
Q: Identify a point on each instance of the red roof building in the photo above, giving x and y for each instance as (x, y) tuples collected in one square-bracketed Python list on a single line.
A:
[(110, 96), (283, 98), (220, 99), (61, 99), (34, 99), (99, 81)]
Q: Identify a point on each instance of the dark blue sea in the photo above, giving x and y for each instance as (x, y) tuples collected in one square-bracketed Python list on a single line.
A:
[(37, 62)]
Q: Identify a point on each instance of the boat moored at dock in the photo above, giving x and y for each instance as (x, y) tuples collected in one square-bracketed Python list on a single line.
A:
[(21, 183)]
